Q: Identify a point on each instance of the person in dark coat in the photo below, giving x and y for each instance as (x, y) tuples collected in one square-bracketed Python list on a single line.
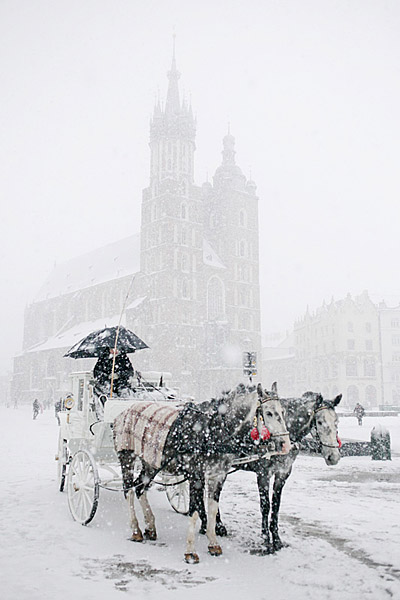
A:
[(57, 409), (102, 371), (123, 371), (36, 407), (359, 412)]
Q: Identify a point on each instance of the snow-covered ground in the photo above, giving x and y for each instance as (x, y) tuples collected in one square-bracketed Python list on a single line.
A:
[(342, 524)]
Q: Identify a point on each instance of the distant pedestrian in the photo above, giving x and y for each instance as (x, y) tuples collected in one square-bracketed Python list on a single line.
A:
[(36, 408), (359, 412), (57, 409)]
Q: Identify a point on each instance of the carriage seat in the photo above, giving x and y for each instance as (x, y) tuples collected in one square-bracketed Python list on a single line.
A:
[(113, 408)]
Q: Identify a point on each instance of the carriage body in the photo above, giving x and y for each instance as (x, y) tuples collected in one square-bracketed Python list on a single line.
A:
[(86, 457)]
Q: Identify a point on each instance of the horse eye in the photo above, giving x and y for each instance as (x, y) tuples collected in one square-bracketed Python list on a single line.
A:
[(269, 413)]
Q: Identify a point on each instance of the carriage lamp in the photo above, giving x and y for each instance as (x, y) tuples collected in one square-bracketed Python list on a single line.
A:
[(69, 403)]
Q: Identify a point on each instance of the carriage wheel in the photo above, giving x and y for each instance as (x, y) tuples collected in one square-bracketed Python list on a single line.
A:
[(83, 487), (62, 461), (178, 497)]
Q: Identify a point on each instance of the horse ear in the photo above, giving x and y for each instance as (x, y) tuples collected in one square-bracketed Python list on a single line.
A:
[(337, 400), (319, 400), (274, 388), (260, 389)]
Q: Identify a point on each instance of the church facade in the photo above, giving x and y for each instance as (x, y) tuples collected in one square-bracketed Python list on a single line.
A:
[(188, 285)]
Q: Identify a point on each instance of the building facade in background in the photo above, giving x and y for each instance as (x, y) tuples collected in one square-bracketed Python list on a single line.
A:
[(351, 346), (188, 285)]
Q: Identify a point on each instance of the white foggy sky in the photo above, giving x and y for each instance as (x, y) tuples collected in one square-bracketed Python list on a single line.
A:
[(311, 90)]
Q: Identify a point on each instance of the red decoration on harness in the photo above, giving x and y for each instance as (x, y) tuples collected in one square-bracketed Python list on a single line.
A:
[(265, 434), (339, 441)]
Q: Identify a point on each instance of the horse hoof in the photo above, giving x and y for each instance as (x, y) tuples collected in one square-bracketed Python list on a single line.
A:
[(192, 558), (220, 530), (136, 537), (280, 545), (150, 534), (215, 550)]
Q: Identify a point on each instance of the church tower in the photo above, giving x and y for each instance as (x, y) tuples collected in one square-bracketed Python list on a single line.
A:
[(231, 227), (172, 239)]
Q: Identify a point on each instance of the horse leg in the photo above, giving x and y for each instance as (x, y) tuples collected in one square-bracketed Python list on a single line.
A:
[(279, 482), (190, 554), (150, 532), (263, 490), (196, 507), (127, 461), (137, 535), (214, 491), (220, 528)]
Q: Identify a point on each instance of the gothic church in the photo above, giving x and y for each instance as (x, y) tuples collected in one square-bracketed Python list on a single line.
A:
[(191, 280)]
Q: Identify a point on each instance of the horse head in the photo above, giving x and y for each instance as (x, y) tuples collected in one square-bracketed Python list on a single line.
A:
[(324, 424), (269, 422)]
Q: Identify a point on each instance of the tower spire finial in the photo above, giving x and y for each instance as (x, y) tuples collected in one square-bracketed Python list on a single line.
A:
[(173, 104)]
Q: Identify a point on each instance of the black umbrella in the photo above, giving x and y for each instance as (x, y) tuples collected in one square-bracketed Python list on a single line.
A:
[(93, 345)]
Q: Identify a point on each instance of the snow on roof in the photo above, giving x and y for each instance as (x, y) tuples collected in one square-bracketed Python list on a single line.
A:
[(76, 333), (210, 257), (109, 262), (137, 302)]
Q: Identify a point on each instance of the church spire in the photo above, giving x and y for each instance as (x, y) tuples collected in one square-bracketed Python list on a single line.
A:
[(173, 105)]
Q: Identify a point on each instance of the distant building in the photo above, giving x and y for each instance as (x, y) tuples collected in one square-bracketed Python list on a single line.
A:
[(350, 346), (389, 327), (278, 363), (195, 296)]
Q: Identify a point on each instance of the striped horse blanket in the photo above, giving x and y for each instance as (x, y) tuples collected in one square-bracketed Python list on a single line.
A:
[(143, 428)]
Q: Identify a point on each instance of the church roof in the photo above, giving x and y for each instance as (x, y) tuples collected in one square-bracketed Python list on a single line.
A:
[(113, 261), (71, 336)]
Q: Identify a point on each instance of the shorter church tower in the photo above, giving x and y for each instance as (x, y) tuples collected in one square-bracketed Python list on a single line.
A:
[(231, 227)]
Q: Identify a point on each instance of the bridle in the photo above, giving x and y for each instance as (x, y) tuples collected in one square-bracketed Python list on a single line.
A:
[(313, 426), (262, 431)]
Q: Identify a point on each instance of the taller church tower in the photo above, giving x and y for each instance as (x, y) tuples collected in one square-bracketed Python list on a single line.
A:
[(171, 255), (198, 258)]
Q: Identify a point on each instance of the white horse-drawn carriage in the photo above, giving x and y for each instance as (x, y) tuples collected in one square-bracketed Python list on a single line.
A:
[(86, 457), (149, 435)]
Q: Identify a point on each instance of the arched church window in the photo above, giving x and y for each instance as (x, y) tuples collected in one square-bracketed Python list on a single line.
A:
[(215, 299), (184, 208), (185, 288), (213, 220), (184, 236), (243, 218), (184, 262)]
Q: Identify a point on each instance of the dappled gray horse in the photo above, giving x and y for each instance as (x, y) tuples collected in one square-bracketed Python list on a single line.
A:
[(308, 414), (198, 441)]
